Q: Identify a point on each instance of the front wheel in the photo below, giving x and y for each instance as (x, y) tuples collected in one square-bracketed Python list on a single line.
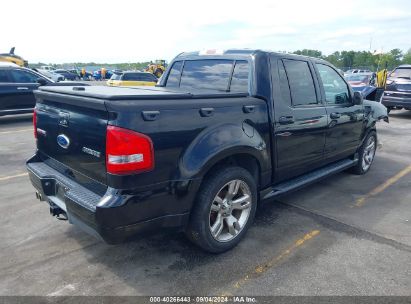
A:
[(224, 210), (366, 154)]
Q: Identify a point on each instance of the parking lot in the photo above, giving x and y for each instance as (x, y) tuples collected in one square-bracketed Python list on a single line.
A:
[(347, 235)]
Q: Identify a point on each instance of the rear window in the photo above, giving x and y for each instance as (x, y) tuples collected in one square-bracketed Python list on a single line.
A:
[(210, 74), (137, 77), (206, 74), (402, 73)]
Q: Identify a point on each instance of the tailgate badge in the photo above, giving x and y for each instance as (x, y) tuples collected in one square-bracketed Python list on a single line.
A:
[(64, 119), (91, 151), (63, 141)]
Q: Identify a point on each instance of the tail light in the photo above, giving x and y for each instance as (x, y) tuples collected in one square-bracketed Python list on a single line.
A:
[(128, 152), (35, 123)]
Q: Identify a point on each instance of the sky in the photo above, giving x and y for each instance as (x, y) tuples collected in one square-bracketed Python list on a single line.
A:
[(103, 31)]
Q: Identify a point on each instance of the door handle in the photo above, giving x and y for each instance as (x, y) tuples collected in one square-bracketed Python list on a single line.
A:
[(248, 109), (206, 112), (335, 115), (22, 88), (286, 120)]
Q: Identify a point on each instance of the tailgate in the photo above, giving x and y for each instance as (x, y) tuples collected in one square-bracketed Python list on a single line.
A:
[(72, 130)]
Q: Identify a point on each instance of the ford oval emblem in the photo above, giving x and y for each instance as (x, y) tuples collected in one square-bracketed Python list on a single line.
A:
[(63, 141)]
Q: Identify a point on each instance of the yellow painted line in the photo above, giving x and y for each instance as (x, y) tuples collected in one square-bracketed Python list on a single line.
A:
[(12, 176), (16, 131), (260, 269), (377, 190)]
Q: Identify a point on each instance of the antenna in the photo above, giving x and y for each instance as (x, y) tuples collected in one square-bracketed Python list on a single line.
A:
[(12, 50)]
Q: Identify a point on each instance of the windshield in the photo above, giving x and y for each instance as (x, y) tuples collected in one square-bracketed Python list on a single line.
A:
[(401, 73)]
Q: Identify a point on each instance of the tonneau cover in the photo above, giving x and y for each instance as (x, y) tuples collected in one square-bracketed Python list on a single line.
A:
[(128, 93)]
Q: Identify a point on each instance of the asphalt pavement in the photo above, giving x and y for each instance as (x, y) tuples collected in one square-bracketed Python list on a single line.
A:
[(346, 235)]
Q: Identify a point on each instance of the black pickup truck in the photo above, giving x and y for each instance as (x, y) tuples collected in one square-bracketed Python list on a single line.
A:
[(221, 132)]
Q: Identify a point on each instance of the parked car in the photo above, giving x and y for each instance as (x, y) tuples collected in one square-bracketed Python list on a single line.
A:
[(68, 75), (132, 79), (397, 94), (51, 74), (356, 71), (221, 132), (359, 81), (16, 88)]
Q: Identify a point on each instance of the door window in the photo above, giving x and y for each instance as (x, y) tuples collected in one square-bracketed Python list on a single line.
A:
[(284, 88), (20, 76), (335, 88), (4, 76), (301, 83)]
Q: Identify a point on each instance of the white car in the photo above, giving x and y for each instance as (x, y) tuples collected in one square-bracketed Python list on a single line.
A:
[(52, 75)]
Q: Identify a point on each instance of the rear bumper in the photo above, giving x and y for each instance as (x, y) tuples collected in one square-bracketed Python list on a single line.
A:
[(391, 101), (113, 217)]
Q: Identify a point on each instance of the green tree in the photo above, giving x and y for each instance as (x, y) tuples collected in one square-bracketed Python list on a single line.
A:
[(310, 53), (407, 57)]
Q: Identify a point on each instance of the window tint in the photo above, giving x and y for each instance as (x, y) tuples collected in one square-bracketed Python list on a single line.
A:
[(20, 76), (3, 76), (239, 81), (301, 82), (284, 88), (174, 76), (211, 74), (336, 90)]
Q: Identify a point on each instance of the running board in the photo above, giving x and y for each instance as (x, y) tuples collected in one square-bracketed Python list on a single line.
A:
[(307, 178)]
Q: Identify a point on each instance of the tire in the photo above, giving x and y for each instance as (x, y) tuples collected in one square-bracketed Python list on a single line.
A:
[(389, 110), (366, 154), (216, 208)]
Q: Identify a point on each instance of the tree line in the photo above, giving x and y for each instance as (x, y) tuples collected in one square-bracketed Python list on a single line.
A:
[(362, 59), (343, 60)]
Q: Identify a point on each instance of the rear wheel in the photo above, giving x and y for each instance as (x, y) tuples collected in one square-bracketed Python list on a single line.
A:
[(224, 210), (366, 154)]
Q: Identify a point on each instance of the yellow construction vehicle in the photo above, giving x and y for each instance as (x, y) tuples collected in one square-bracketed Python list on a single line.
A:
[(11, 57), (157, 68)]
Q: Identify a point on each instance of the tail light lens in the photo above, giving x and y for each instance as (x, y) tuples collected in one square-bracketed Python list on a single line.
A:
[(128, 152), (35, 123)]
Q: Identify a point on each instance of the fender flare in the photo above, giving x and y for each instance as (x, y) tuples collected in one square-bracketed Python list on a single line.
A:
[(221, 141)]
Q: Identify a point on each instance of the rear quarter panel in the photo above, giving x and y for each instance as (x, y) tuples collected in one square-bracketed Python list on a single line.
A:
[(186, 143)]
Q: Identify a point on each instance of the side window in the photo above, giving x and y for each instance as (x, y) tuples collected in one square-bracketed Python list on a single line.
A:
[(336, 90), (284, 88), (301, 82), (173, 79), (20, 76), (4, 76), (239, 81)]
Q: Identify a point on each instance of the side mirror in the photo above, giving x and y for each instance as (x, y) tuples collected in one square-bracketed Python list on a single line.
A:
[(357, 98), (41, 81)]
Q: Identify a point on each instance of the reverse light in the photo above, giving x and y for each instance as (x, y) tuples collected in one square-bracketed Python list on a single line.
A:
[(128, 152)]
